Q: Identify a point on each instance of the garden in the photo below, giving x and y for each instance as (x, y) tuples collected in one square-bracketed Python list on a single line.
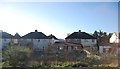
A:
[(20, 56)]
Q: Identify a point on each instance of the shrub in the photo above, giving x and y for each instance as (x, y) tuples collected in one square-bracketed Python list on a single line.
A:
[(14, 55)]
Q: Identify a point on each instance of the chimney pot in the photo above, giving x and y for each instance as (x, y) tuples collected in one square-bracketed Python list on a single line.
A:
[(79, 30), (36, 31)]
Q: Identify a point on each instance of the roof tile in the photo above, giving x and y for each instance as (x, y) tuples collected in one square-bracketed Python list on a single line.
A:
[(80, 35)]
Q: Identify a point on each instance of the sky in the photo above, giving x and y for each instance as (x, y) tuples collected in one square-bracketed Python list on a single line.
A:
[(58, 18)]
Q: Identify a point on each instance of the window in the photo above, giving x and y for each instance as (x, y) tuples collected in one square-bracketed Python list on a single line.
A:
[(39, 40), (72, 47), (5, 40), (32, 40), (44, 40), (76, 39), (75, 48), (79, 40), (92, 40), (86, 40), (61, 48)]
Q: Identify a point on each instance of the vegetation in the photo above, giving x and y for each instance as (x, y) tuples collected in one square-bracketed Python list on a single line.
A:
[(23, 56), (15, 55), (18, 56), (102, 36)]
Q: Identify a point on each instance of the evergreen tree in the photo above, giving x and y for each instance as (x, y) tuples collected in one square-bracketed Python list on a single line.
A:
[(100, 33), (95, 34)]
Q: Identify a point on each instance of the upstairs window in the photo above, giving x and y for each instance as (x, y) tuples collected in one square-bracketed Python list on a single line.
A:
[(86, 40), (5, 40), (44, 40), (39, 40), (92, 40)]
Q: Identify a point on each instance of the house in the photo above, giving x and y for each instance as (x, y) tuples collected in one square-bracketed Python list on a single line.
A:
[(16, 38), (115, 38), (105, 48), (53, 39), (64, 47), (83, 38), (104, 45), (68, 49), (5, 38), (37, 39), (68, 46), (115, 41), (111, 45)]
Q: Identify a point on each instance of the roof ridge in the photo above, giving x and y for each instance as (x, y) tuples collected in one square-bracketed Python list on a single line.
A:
[(35, 35), (80, 35)]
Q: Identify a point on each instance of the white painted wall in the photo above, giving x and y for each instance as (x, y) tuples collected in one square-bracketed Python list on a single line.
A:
[(5, 42), (102, 47), (40, 43), (15, 41), (88, 42), (52, 41), (25, 41), (114, 39), (85, 42)]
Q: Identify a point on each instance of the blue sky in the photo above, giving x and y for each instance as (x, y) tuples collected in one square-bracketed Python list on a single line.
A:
[(58, 18)]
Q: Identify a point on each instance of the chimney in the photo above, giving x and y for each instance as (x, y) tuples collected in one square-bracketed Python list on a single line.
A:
[(79, 30), (36, 31)]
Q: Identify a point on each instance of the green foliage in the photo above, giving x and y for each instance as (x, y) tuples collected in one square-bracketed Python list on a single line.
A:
[(95, 34), (90, 62), (35, 64), (15, 55)]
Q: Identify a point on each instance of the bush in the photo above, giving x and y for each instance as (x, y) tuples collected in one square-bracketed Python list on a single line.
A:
[(14, 55)]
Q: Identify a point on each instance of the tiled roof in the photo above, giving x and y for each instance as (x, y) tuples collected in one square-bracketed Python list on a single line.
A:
[(35, 35), (72, 44), (80, 35), (52, 36), (109, 44), (6, 35), (116, 44), (17, 36), (104, 44), (66, 44)]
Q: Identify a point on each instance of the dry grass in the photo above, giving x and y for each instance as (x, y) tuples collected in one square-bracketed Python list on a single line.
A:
[(64, 68)]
